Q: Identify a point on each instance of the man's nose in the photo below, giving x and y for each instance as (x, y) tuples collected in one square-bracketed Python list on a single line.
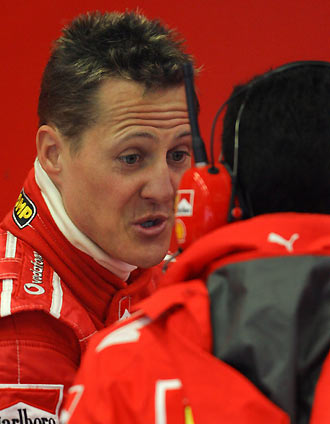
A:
[(160, 185)]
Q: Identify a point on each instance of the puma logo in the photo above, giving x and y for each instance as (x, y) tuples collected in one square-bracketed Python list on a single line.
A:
[(288, 244)]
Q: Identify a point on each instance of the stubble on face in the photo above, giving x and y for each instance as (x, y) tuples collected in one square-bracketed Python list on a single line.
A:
[(107, 196)]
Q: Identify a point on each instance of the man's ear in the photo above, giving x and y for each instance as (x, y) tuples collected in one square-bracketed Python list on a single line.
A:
[(50, 146)]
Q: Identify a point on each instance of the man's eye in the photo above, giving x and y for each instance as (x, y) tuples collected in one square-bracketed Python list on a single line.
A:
[(130, 159), (179, 155)]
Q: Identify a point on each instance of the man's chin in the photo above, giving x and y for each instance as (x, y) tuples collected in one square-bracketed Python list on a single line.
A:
[(151, 260)]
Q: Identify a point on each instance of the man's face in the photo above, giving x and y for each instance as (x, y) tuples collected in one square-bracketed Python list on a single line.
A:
[(119, 188)]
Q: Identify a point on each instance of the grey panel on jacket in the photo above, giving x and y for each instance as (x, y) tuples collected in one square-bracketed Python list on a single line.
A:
[(271, 321)]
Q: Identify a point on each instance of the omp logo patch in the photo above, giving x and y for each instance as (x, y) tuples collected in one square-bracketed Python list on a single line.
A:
[(24, 211), (16, 402)]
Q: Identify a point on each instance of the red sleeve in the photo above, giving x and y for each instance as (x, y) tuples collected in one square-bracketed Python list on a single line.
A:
[(321, 406), (39, 356)]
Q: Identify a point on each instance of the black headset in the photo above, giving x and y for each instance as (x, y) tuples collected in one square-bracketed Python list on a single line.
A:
[(239, 207), (199, 152)]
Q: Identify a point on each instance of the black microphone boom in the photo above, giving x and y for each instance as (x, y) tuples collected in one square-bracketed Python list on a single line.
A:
[(198, 145)]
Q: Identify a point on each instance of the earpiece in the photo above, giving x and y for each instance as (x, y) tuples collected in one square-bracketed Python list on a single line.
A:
[(209, 195), (202, 203), (206, 196)]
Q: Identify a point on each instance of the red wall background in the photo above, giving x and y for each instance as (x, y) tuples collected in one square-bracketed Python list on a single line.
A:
[(232, 40)]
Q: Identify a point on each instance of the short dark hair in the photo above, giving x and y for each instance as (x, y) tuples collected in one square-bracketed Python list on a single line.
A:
[(96, 46), (284, 140)]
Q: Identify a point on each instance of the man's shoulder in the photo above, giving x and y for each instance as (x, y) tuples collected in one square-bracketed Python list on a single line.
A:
[(158, 316), (123, 348), (22, 264), (127, 332), (29, 283)]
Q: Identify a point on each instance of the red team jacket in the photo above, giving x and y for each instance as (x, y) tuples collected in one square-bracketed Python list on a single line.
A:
[(247, 347), (53, 297)]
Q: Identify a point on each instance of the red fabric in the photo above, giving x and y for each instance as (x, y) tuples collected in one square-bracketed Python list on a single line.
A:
[(37, 349), (321, 408), (248, 240), (53, 298), (169, 340), (174, 347)]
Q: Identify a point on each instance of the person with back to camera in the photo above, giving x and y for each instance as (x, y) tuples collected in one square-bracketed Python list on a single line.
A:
[(95, 215), (238, 332)]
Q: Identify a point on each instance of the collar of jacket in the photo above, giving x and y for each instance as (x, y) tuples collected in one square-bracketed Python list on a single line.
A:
[(55, 205), (94, 286), (269, 235)]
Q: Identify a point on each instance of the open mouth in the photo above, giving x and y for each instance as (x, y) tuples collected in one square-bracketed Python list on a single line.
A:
[(152, 226), (151, 223)]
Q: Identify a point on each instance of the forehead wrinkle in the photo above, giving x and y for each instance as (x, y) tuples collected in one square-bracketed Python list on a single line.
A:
[(144, 113), (163, 119), (139, 105), (155, 124)]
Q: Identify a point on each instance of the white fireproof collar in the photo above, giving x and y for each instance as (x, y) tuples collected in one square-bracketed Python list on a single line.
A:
[(72, 233)]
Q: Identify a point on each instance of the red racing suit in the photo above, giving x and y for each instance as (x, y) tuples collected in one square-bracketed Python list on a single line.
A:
[(53, 297), (237, 334)]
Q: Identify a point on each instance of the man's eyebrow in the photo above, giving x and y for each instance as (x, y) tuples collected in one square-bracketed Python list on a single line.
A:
[(138, 134), (184, 134)]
